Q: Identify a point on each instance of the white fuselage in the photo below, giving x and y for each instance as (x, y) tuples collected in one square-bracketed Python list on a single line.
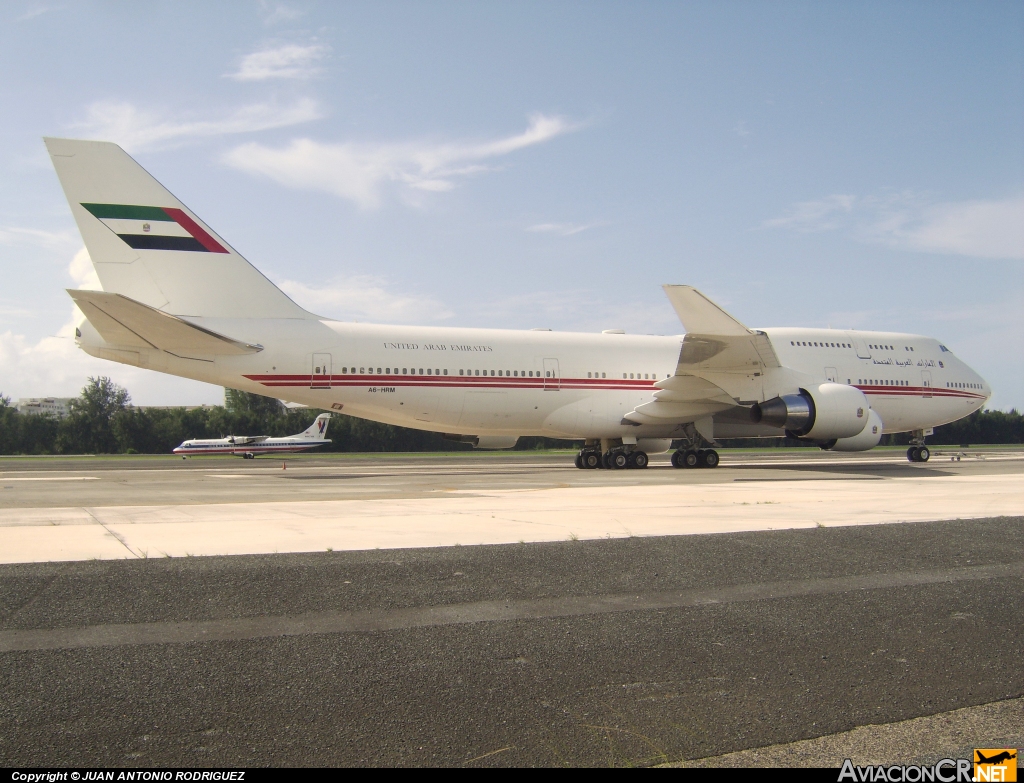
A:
[(559, 384), (199, 446)]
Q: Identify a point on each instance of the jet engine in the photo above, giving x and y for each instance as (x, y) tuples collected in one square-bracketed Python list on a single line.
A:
[(867, 438), (829, 411)]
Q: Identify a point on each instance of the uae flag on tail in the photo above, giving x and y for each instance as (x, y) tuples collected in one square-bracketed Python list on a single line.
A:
[(155, 228)]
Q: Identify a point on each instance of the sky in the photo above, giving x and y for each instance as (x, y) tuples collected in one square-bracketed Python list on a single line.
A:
[(519, 165)]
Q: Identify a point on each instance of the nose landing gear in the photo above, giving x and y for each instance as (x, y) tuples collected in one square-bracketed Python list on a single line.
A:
[(918, 454)]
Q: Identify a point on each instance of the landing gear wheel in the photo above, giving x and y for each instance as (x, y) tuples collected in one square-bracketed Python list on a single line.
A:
[(579, 461), (619, 460), (677, 460), (912, 454), (691, 459), (710, 459), (923, 454), (591, 460), (639, 459), (606, 461)]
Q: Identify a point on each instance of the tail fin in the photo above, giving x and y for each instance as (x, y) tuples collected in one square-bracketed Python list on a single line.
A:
[(318, 429), (148, 246)]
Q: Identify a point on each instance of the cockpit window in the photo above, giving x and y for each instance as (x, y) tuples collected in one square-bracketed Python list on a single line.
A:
[(944, 349)]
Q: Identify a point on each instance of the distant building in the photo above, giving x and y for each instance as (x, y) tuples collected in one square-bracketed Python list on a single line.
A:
[(56, 406)]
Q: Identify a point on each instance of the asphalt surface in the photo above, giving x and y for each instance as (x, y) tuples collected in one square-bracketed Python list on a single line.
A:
[(634, 651), (46, 482)]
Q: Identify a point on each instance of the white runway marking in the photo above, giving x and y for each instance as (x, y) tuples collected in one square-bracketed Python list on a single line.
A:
[(49, 478), (496, 516)]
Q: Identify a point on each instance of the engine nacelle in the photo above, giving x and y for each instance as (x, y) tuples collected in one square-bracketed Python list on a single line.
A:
[(825, 412), (867, 438)]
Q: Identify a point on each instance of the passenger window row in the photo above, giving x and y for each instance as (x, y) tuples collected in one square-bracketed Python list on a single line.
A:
[(388, 371), (810, 344), (957, 385), (429, 371), (882, 382)]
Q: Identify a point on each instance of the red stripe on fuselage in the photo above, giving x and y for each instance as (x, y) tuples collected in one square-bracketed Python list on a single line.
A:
[(450, 381), (919, 391)]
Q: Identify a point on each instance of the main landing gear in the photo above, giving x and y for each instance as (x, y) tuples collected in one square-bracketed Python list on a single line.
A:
[(918, 454), (590, 457), (695, 458)]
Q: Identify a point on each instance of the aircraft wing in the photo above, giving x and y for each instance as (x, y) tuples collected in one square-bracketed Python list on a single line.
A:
[(245, 440), (124, 322), (721, 363)]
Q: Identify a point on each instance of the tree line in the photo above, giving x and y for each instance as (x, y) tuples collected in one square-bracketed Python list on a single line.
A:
[(102, 420)]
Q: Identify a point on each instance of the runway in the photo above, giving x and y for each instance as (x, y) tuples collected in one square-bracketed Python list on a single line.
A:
[(111, 509), (830, 615)]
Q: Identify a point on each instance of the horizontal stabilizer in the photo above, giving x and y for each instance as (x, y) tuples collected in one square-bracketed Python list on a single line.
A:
[(700, 315), (124, 322)]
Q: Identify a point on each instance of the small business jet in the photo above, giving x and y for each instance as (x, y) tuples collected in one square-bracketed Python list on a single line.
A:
[(178, 299), (250, 446)]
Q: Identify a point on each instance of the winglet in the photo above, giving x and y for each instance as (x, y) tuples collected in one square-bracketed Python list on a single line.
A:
[(700, 315)]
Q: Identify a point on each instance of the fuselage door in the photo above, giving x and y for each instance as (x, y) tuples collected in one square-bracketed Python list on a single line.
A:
[(551, 379), (321, 375), (859, 347), (831, 375), (926, 382)]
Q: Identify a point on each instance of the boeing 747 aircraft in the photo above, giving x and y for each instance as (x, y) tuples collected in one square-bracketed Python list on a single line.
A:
[(249, 446), (178, 299)]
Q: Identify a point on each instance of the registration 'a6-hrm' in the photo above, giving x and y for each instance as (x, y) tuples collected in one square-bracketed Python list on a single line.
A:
[(178, 299)]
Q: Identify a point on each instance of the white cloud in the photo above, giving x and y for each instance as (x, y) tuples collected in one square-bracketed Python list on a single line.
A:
[(83, 272), (13, 235), (34, 10), (279, 12), (55, 366), (359, 172), (135, 129), (290, 61), (990, 228), (982, 229), (821, 215), (365, 298), (562, 229)]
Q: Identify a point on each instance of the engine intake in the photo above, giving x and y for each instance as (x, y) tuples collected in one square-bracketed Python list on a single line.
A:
[(822, 413)]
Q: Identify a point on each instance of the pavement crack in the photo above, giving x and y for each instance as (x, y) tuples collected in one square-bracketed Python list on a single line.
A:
[(120, 539)]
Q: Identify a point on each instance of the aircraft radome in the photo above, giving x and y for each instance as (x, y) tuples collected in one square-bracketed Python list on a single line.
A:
[(178, 299)]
